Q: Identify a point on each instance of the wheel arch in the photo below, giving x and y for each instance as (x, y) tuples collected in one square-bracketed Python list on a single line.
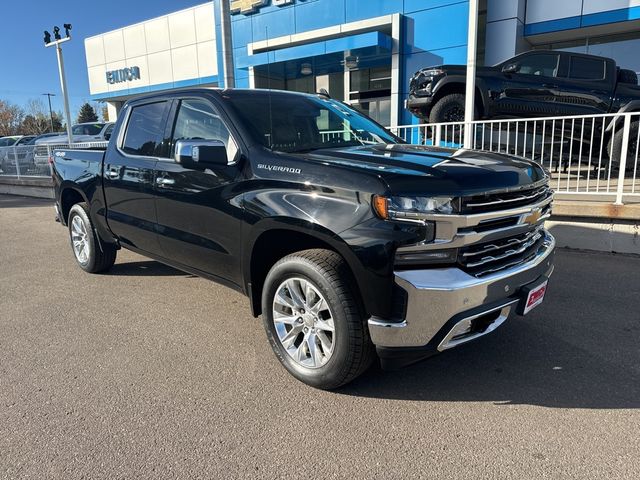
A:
[(274, 239), (70, 195), (451, 85), (631, 107)]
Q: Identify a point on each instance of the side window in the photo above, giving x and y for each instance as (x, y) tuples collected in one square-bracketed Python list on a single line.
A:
[(145, 130), (583, 68), (544, 65), (108, 131), (197, 120)]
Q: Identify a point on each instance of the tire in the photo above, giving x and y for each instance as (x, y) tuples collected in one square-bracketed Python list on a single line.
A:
[(343, 353), (615, 147), (449, 108), (627, 76), (92, 255)]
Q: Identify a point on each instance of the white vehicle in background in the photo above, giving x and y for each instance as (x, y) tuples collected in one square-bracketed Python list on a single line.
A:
[(81, 133), (16, 149)]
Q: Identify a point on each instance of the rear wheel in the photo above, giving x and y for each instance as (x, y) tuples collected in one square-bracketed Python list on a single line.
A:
[(313, 321), (615, 147), (92, 255)]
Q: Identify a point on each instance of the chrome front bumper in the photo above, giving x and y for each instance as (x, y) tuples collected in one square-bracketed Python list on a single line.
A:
[(436, 296)]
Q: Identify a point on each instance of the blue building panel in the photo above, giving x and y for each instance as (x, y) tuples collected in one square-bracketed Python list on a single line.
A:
[(411, 6), (356, 10), (436, 28), (273, 24), (318, 14)]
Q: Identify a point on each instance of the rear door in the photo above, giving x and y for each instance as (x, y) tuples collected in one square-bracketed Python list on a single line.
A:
[(199, 209), (129, 175), (588, 87)]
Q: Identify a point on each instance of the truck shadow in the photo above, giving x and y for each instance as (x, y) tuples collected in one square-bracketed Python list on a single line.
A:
[(581, 349), (146, 268)]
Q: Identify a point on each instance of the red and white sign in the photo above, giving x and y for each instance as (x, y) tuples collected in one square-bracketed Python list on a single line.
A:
[(535, 297)]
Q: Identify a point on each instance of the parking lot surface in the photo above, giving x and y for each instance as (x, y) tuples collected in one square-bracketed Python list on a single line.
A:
[(150, 372)]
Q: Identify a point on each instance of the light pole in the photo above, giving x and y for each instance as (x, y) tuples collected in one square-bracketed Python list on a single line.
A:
[(227, 45), (472, 42), (49, 95), (63, 81)]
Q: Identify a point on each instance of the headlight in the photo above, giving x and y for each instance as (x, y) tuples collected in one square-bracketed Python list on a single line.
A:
[(432, 72), (411, 209)]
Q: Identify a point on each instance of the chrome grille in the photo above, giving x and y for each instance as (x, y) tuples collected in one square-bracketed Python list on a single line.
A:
[(482, 259), (505, 200)]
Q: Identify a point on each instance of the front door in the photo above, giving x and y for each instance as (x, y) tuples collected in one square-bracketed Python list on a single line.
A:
[(199, 211), (532, 90), (129, 175)]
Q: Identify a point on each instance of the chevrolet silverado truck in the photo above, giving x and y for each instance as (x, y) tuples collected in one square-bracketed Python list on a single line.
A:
[(350, 243), (539, 83)]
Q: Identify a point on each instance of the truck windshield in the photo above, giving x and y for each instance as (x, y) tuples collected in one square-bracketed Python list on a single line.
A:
[(287, 122), (87, 129)]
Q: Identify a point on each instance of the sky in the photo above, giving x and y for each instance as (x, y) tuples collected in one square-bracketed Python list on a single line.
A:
[(29, 69)]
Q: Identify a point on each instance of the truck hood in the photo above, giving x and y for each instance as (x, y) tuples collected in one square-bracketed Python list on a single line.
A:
[(415, 169)]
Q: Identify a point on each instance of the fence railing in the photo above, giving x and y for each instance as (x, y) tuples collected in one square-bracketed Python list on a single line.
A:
[(585, 155), (35, 160)]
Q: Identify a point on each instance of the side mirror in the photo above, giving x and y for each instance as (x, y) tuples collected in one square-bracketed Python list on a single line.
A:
[(200, 153), (511, 68)]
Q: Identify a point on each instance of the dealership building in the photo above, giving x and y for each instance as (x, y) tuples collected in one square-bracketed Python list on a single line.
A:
[(361, 51)]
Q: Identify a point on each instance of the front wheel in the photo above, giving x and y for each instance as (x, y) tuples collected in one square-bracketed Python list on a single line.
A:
[(313, 321), (92, 255)]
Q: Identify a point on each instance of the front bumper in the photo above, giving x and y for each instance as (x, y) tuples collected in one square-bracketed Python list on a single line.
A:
[(440, 298), (415, 102)]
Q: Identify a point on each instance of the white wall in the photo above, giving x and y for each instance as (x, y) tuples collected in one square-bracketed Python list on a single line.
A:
[(178, 46)]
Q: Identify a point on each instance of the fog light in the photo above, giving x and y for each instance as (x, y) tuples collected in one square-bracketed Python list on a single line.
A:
[(425, 257)]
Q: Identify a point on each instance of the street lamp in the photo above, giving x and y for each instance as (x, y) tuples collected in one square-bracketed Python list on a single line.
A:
[(49, 95), (63, 81)]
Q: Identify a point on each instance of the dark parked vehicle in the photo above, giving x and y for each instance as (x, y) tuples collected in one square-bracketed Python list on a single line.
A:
[(539, 83), (346, 240)]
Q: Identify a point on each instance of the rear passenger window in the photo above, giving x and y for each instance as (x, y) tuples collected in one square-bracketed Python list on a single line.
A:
[(587, 68), (145, 130)]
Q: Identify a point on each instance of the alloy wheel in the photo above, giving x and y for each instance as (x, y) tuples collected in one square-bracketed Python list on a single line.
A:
[(304, 322), (80, 240)]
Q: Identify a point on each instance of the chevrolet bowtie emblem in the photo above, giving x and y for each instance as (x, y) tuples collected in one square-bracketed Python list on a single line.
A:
[(533, 217), (245, 6)]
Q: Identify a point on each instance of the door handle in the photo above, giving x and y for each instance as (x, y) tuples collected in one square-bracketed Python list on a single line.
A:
[(549, 85), (164, 182), (113, 172)]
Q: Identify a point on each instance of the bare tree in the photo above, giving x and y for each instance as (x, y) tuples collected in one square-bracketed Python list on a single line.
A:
[(10, 118), (36, 120), (104, 111)]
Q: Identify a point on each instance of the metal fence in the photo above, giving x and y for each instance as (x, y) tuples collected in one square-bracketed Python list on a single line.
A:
[(587, 156), (35, 160)]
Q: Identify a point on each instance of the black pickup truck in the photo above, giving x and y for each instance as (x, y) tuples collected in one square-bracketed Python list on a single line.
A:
[(347, 241), (539, 83)]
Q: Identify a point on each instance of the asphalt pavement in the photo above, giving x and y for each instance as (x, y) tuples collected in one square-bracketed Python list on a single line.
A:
[(148, 372)]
